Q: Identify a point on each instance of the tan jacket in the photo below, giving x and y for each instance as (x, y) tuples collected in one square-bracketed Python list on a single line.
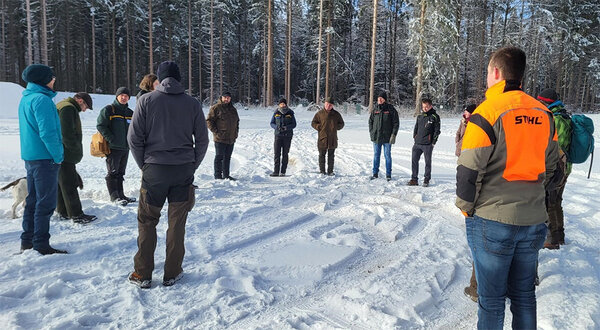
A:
[(223, 122), (509, 149), (327, 123), (460, 133)]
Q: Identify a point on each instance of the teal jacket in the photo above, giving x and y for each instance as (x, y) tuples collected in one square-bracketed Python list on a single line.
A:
[(113, 123), (39, 125)]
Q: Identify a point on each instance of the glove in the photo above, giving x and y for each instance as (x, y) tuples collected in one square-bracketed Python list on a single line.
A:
[(393, 139)]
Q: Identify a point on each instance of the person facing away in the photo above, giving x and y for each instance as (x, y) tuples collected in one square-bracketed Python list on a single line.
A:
[(327, 122), (426, 132), (283, 122), (147, 85), (68, 205), (223, 121), (168, 140), (113, 123), (460, 132), (562, 120), (43, 152), (509, 151), (383, 128)]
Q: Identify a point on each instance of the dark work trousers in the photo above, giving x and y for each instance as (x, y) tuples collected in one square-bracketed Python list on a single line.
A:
[(160, 183), (556, 220), (330, 160), (116, 163), (417, 150), (68, 203), (282, 148), (223, 153)]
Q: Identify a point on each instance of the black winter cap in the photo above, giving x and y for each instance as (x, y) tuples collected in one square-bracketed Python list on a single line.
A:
[(38, 73), (122, 90), (86, 98), (168, 69), (282, 100), (226, 94), (548, 95), (383, 95)]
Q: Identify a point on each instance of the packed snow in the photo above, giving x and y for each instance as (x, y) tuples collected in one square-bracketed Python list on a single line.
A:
[(300, 252)]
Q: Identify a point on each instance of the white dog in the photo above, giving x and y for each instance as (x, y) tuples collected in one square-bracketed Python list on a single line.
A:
[(19, 192)]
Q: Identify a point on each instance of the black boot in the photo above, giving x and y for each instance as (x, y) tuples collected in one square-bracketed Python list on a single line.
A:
[(122, 194), (113, 190)]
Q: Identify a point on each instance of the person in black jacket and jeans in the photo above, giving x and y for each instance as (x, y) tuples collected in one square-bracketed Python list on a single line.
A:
[(168, 139), (113, 123), (383, 127), (426, 132), (283, 122)]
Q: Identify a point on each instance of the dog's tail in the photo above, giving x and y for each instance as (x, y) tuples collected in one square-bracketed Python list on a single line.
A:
[(14, 183)]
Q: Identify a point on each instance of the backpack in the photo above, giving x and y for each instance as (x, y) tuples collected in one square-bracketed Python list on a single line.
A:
[(99, 146), (582, 140)]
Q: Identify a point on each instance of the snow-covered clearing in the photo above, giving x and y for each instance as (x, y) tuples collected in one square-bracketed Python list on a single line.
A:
[(298, 252)]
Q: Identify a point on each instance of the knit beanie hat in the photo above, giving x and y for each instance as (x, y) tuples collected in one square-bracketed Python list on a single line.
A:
[(38, 73), (226, 94), (122, 90), (329, 99), (383, 95), (282, 100), (168, 69), (548, 95)]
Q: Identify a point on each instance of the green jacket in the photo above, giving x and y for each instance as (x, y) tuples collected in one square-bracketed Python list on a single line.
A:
[(68, 113), (113, 123), (223, 121), (564, 129)]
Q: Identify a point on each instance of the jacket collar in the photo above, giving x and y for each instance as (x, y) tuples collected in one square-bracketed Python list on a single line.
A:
[(73, 103), (557, 106), (502, 87), (35, 88), (170, 85)]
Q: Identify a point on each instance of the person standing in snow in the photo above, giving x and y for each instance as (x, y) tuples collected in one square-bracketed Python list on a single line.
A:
[(147, 85), (283, 122), (426, 132), (113, 123), (509, 151), (223, 121), (68, 205), (460, 132), (383, 127), (43, 152), (556, 231), (168, 140), (327, 122)]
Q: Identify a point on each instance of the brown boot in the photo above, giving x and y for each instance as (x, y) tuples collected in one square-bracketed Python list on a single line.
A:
[(413, 183), (471, 290)]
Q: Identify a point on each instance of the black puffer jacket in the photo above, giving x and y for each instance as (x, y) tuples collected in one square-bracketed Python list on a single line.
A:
[(427, 128), (383, 122)]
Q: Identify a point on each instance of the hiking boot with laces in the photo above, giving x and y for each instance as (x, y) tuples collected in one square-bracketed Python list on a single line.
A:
[(130, 199), (84, 218), (274, 174), (471, 292), (426, 183), (51, 250), (374, 176), (135, 278), (413, 183), (171, 281)]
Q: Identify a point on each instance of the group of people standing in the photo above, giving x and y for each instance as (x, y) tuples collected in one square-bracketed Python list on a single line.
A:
[(504, 167)]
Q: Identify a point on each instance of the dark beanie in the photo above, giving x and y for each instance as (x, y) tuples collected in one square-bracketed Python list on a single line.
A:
[(38, 73), (282, 100), (122, 90), (168, 69), (383, 95), (86, 98), (329, 99), (548, 95), (226, 94), (470, 108)]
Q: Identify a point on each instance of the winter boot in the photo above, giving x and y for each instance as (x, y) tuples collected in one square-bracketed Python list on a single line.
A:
[(413, 182), (122, 194), (136, 279)]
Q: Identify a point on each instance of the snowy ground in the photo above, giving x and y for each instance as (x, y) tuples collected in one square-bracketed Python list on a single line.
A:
[(300, 252)]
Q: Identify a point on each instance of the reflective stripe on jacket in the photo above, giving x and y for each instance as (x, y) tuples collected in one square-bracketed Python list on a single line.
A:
[(509, 149)]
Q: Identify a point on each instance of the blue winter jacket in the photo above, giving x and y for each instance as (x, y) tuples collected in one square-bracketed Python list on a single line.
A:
[(39, 125)]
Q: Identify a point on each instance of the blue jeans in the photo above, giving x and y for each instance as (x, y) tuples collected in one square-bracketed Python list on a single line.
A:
[(505, 258), (387, 153), (42, 187)]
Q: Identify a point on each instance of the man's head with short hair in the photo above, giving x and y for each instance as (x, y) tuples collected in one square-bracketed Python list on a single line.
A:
[(84, 100), (507, 63), (426, 104)]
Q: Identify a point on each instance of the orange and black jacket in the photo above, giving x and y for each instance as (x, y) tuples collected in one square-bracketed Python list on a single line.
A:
[(509, 149)]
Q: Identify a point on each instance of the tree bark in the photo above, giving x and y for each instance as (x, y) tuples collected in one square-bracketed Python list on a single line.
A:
[(29, 46), (190, 47), (150, 47), (269, 92), (317, 96), (114, 53), (420, 58), (288, 53), (93, 14), (373, 43), (328, 54), (44, 34), (212, 52)]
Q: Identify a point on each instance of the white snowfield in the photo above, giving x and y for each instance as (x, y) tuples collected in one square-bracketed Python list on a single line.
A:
[(300, 252)]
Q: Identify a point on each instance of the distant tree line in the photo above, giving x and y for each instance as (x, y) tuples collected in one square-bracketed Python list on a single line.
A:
[(260, 50)]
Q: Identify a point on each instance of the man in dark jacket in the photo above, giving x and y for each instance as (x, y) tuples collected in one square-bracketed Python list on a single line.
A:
[(327, 122), (113, 123), (168, 140), (426, 132), (68, 204), (383, 127), (223, 121), (283, 122)]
